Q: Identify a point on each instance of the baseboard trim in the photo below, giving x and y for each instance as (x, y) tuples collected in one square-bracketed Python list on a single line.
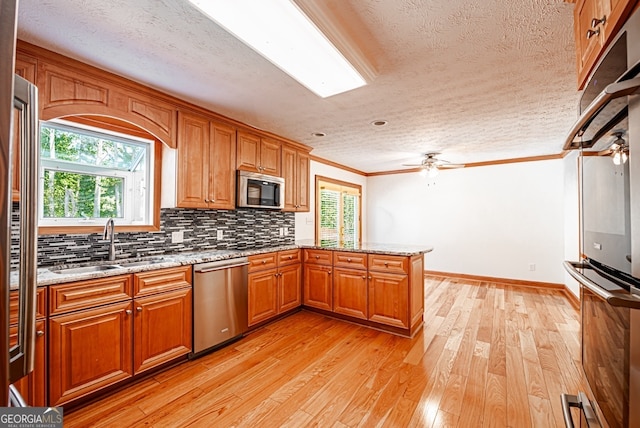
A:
[(522, 282), (575, 302)]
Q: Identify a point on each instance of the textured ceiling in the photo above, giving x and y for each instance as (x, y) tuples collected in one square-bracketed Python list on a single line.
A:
[(477, 80)]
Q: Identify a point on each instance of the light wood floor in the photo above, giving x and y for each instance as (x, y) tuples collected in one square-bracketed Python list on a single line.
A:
[(489, 355)]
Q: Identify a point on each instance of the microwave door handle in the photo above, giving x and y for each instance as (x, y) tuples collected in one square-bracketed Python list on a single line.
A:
[(581, 401), (612, 299), (611, 92)]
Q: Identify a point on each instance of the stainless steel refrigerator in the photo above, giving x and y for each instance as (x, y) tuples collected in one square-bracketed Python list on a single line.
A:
[(18, 152)]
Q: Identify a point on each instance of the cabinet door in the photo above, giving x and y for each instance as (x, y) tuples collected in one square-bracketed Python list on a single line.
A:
[(350, 292), (289, 168), (616, 12), (289, 296), (302, 176), (222, 161), (193, 161), (388, 299), (270, 156), (33, 387), (248, 152), (162, 329), (589, 41), (318, 287), (89, 350), (263, 296)]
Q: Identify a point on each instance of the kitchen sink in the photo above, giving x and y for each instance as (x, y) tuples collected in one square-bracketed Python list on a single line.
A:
[(84, 269), (105, 267)]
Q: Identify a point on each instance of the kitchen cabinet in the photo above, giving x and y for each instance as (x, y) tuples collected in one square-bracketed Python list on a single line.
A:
[(162, 328), (273, 285), (89, 350), (318, 279), (33, 386), (295, 171), (384, 290), (258, 154), (206, 160), (106, 330), (595, 24)]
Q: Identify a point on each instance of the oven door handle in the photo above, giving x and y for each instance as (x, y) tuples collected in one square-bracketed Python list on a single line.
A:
[(612, 299), (611, 92), (581, 402)]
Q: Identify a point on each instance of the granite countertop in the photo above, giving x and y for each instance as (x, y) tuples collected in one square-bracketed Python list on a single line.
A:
[(60, 274)]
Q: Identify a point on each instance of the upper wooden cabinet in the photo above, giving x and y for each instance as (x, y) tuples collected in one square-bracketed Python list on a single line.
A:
[(595, 23), (258, 154), (206, 157), (295, 171)]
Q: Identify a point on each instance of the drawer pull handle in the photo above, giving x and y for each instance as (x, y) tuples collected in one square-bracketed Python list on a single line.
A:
[(591, 33), (595, 21)]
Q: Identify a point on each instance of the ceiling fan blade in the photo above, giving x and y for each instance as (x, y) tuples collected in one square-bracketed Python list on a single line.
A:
[(412, 164), (450, 166)]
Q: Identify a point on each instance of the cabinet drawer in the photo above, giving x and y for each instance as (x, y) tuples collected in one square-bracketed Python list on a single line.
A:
[(288, 257), (391, 264), (152, 282), (41, 305), (350, 260), (263, 261), (319, 257), (86, 294)]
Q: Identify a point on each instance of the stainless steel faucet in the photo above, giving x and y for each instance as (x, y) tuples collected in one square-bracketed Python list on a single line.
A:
[(109, 232)]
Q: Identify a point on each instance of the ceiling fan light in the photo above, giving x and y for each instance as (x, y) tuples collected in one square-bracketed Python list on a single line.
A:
[(423, 172), (432, 171), (616, 157), (624, 157)]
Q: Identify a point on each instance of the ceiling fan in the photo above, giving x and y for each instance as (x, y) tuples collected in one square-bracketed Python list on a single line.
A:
[(430, 165)]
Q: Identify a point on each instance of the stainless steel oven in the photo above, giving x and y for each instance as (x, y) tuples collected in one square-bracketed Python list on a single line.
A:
[(608, 135)]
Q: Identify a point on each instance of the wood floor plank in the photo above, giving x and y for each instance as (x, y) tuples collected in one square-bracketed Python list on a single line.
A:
[(490, 355)]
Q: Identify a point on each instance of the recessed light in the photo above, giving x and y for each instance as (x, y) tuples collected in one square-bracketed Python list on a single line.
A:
[(379, 122), (318, 134)]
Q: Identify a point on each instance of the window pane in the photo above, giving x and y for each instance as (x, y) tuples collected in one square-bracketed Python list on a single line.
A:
[(329, 217), (350, 218), (89, 148), (75, 195)]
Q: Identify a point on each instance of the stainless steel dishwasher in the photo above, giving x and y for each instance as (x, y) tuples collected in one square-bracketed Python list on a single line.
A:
[(219, 303)]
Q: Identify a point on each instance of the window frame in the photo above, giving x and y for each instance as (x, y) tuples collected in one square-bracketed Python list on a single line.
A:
[(341, 186), (126, 130)]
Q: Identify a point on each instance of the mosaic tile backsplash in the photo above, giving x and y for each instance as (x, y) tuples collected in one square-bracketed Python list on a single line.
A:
[(242, 229)]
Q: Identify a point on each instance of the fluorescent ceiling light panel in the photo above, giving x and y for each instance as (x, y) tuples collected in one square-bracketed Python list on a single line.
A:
[(283, 34)]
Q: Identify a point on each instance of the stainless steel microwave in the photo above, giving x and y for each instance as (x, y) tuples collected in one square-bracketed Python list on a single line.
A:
[(259, 191)]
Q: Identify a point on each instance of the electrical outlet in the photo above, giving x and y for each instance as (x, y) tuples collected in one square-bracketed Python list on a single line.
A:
[(532, 267), (177, 237), (219, 235)]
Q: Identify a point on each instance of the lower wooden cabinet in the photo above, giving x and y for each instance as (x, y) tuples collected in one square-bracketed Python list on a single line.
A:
[(318, 286), (162, 328), (350, 292), (389, 299), (33, 386), (89, 350), (263, 296), (273, 290), (93, 344)]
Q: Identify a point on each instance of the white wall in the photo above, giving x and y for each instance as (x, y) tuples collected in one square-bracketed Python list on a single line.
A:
[(489, 221), (305, 221), (571, 217)]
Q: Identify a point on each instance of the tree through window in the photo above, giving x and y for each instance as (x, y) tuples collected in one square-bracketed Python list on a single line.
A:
[(338, 212)]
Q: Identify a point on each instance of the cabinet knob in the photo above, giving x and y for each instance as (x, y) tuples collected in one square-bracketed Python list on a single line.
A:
[(595, 21), (364, 277), (591, 33), (39, 333), (128, 312), (206, 200), (369, 278), (290, 257), (139, 309), (329, 272), (348, 260), (317, 257), (386, 264), (264, 262)]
